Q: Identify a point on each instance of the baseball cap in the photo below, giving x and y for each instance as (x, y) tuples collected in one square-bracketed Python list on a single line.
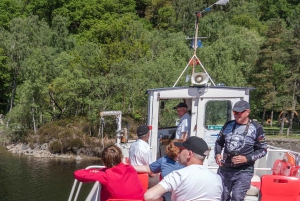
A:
[(180, 105), (241, 106), (195, 144), (143, 130)]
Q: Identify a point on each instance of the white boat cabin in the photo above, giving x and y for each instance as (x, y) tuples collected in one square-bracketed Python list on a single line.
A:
[(209, 106)]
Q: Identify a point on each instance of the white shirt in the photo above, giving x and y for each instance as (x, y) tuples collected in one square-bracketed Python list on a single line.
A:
[(140, 153), (183, 126), (194, 182)]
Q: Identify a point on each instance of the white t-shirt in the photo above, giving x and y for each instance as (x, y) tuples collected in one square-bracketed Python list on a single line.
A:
[(194, 182), (140, 153), (183, 126)]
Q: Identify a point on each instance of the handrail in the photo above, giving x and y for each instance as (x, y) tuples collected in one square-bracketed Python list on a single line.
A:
[(72, 190), (98, 186), (96, 189)]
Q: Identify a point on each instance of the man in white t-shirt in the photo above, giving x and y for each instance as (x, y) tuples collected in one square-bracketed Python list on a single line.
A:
[(195, 181), (184, 126), (139, 152)]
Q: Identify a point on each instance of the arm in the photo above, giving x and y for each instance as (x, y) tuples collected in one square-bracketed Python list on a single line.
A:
[(155, 193), (184, 136), (90, 175), (260, 146), (219, 146), (142, 168)]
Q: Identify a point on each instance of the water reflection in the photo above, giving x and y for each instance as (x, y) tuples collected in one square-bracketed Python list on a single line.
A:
[(30, 178)]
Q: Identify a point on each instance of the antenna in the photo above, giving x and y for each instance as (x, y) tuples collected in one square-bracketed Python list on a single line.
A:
[(195, 60)]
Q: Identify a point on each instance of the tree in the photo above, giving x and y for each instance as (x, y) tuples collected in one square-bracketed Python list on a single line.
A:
[(18, 41), (271, 68), (5, 79)]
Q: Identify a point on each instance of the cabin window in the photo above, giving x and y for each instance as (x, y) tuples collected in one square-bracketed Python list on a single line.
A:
[(217, 113), (167, 114)]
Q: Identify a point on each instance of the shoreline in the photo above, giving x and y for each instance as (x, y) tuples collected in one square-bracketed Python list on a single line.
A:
[(42, 151)]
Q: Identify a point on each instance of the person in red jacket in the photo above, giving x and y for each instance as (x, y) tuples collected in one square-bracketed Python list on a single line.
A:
[(118, 180)]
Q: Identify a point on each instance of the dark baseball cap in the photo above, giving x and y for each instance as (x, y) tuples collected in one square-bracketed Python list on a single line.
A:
[(195, 144), (241, 106), (143, 130), (180, 105)]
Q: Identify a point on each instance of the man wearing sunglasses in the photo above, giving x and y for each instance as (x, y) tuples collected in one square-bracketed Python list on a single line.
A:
[(193, 182), (242, 142)]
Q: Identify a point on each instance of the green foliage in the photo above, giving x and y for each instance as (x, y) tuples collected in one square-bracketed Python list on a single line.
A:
[(277, 9), (55, 147), (9, 9), (64, 59), (76, 143)]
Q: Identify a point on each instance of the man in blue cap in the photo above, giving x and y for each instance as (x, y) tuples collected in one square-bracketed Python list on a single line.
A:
[(242, 142)]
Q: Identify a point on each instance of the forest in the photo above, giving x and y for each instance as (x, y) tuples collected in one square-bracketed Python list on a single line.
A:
[(68, 59)]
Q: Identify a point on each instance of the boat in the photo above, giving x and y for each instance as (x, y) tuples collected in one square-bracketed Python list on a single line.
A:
[(210, 106)]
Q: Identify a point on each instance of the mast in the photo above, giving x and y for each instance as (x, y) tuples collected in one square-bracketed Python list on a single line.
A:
[(195, 60)]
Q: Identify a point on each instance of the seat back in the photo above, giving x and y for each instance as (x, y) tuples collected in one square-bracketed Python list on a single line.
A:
[(144, 178), (279, 188), (295, 171), (276, 169)]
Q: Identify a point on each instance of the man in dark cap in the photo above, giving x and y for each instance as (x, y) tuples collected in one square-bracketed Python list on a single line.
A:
[(139, 152), (184, 126), (243, 141), (193, 182)]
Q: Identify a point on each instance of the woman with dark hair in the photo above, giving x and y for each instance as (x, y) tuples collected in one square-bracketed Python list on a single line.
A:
[(164, 165), (118, 180)]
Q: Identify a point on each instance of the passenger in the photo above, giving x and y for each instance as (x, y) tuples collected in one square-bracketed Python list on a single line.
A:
[(243, 141), (184, 126), (118, 180), (139, 152), (165, 164), (195, 181)]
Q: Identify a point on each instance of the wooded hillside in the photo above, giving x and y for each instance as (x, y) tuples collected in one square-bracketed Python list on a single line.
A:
[(61, 59)]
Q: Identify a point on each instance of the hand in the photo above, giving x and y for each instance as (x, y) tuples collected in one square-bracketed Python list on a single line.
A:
[(218, 159), (239, 159), (127, 160)]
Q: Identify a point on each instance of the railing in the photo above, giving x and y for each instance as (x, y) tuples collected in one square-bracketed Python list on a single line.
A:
[(94, 193), (276, 132)]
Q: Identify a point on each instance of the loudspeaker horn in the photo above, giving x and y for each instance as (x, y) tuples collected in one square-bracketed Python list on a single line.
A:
[(200, 78)]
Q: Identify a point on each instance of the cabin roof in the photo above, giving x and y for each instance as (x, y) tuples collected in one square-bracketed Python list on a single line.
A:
[(199, 87)]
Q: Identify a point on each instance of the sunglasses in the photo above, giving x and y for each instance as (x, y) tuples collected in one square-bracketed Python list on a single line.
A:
[(238, 113)]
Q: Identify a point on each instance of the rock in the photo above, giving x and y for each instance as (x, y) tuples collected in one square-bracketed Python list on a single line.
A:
[(78, 157), (24, 146)]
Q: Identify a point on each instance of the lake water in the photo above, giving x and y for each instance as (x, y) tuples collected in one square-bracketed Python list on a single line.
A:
[(48, 179)]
